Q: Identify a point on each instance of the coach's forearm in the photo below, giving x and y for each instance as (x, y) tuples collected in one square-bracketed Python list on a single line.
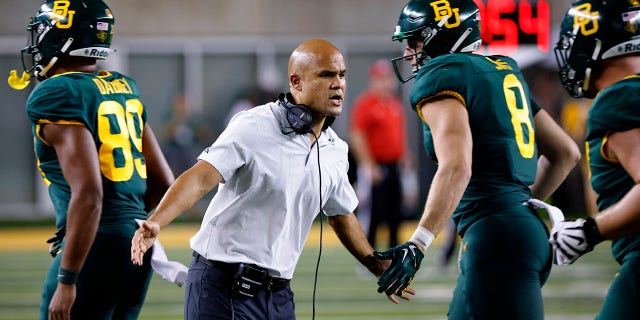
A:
[(352, 236), (190, 187)]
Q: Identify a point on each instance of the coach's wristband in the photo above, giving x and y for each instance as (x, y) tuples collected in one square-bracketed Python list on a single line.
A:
[(67, 276), (422, 238)]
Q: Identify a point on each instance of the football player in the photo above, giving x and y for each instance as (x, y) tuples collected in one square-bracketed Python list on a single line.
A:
[(598, 54), (495, 149), (97, 155)]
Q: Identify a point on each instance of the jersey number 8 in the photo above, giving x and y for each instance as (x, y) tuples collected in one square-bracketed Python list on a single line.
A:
[(514, 94)]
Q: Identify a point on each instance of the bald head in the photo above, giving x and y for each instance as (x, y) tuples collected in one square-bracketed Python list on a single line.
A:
[(317, 79), (309, 53)]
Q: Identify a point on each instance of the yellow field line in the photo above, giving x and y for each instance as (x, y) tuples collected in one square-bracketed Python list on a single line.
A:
[(173, 236)]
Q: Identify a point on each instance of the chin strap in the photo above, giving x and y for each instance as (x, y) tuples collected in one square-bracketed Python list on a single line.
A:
[(18, 83)]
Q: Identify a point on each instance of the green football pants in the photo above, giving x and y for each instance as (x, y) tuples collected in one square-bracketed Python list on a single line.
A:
[(109, 286), (623, 297), (504, 261)]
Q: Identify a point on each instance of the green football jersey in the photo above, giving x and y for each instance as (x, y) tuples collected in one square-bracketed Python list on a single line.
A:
[(614, 109), (501, 112), (108, 105)]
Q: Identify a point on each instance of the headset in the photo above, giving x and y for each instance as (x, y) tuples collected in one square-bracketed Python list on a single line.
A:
[(301, 120), (298, 115)]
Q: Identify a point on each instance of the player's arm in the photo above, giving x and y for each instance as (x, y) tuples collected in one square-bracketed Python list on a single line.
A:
[(76, 151), (559, 154), (159, 174), (79, 162), (451, 132), (190, 186), (623, 218), (449, 123)]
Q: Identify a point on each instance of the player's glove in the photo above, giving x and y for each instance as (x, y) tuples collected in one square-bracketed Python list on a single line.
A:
[(405, 262), (573, 238), (55, 242)]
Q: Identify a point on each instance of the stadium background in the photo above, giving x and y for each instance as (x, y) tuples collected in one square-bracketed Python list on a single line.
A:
[(211, 52)]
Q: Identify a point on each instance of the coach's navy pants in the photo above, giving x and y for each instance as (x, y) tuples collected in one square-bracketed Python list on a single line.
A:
[(208, 296)]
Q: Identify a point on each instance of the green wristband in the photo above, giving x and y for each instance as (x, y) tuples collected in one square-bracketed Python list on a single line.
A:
[(67, 276)]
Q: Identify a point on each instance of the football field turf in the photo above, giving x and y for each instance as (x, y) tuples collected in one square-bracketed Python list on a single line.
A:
[(342, 292)]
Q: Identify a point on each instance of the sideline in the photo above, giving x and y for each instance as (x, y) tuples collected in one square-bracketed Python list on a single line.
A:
[(173, 236)]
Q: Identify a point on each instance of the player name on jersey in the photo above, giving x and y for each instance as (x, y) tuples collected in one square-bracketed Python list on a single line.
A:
[(111, 87)]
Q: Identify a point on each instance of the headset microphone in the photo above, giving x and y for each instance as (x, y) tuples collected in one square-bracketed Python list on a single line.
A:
[(298, 115)]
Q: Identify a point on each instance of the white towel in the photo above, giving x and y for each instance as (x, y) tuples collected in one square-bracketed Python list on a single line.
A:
[(555, 215)]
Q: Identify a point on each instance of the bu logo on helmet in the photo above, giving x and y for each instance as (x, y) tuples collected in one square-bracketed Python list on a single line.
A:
[(61, 12), (442, 10), (585, 19)]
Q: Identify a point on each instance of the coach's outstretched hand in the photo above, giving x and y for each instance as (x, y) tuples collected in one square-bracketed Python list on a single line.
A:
[(405, 262), (142, 240)]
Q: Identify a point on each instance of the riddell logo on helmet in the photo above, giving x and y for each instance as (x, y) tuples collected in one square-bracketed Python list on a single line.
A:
[(631, 47), (622, 48), (628, 47), (98, 53)]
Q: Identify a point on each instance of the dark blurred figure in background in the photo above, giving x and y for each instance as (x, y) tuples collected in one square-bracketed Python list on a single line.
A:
[(185, 134)]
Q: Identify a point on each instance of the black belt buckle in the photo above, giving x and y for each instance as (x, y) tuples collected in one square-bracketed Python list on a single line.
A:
[(276, 284)]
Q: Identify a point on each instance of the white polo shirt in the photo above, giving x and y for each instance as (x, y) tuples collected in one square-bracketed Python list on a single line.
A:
[(263, 211)]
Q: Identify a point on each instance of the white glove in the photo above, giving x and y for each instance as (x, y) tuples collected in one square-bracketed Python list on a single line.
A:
[(573, 238)]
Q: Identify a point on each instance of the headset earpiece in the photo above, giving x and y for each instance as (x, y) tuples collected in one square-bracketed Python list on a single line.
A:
[(298, 115)]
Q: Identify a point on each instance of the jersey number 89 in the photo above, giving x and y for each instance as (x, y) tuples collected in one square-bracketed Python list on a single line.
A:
[(120, 130)]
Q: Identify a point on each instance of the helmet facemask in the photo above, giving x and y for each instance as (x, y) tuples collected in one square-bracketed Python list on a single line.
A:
[(421, 56), (38, 59), (576, 69), (443, 27)]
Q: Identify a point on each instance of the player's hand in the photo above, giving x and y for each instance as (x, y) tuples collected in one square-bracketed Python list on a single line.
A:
[(62, 301), (405, 262), (573, 238), (142, 240)]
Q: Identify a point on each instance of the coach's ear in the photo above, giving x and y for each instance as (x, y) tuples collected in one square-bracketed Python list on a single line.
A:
[(295, 82)]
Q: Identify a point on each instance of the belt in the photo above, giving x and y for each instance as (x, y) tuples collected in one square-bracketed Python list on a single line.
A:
[(268, 282)]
